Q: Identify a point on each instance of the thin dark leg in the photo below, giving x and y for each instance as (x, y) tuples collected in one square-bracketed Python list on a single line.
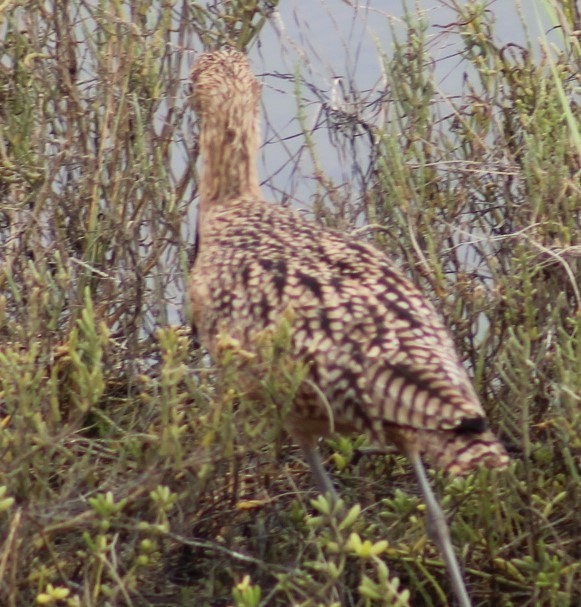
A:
[(438, 530), (322, 480), (325, 488)]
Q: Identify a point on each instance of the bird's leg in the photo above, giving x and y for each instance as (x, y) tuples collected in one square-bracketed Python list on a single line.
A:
[(322, 480), (438, 530)]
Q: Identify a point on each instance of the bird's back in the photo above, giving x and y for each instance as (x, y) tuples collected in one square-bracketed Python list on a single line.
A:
[(378, 356)]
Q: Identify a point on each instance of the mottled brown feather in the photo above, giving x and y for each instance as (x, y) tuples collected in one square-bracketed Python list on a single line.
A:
[(376, 348)]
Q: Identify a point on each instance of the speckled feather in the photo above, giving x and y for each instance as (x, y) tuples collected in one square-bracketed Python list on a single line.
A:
[(375, 347)]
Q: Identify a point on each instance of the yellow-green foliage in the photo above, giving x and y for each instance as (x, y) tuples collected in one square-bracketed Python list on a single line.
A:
[(132, 473)]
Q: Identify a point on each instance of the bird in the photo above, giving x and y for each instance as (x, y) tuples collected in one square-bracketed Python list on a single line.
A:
[(378, 358)]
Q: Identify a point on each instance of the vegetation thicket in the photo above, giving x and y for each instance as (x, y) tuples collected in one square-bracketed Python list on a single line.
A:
[(128, 475)]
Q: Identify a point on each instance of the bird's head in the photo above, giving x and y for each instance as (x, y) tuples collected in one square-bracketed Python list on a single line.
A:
[(223, 83)]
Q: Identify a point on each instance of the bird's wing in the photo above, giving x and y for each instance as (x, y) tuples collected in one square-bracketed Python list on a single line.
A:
[(376, 347)]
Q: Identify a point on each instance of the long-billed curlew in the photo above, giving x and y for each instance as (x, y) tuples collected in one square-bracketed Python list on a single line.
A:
[(379, 358)]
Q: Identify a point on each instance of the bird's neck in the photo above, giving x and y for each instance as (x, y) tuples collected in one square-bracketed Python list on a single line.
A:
[(228, 148)]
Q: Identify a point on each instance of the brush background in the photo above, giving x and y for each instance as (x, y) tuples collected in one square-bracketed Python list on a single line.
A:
[(445, 133)]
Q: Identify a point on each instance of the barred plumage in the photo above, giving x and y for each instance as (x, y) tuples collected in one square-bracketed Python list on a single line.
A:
[(377, 351)]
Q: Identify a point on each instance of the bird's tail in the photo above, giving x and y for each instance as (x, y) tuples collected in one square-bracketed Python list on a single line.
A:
[(461, 453)]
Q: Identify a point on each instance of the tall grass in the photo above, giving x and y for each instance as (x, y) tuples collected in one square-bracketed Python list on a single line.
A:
[(128, 476)]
